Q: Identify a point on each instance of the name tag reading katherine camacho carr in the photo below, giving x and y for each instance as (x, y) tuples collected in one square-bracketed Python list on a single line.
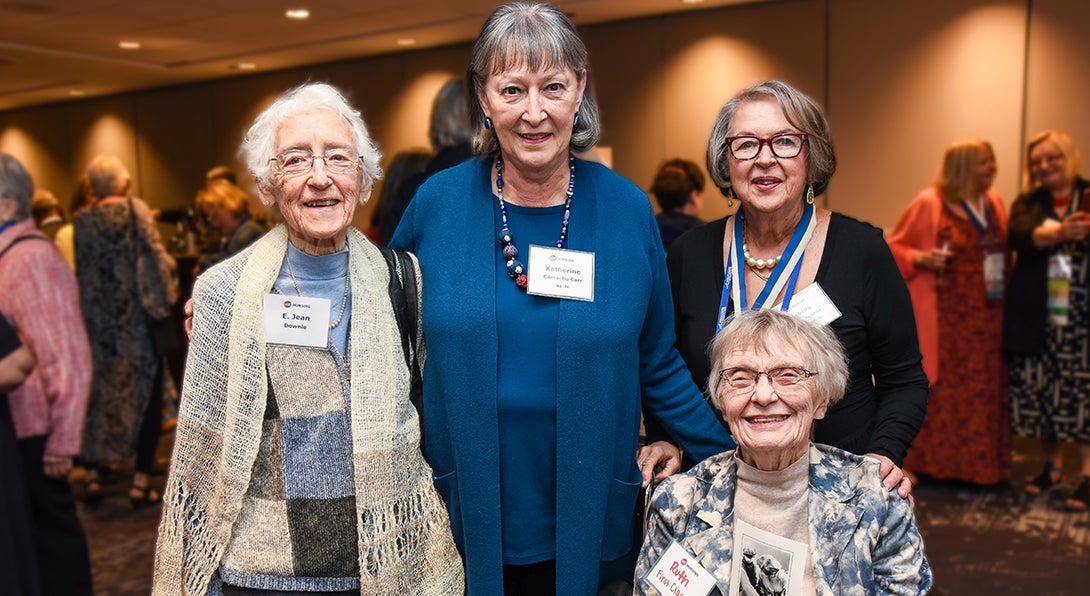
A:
[(560, 273)]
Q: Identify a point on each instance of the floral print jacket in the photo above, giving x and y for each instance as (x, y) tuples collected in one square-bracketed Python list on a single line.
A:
[(863, 538)]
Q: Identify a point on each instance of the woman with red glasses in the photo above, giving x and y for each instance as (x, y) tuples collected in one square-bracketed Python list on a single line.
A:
[(771, 150)]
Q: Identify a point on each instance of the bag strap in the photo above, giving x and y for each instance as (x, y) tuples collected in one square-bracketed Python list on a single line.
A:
[(19, 239), (405, 298)]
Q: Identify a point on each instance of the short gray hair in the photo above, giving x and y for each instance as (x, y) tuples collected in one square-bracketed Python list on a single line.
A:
[(449, 124), (16, 184), (755, 329), (108, 177), (538, 36), (801, 111), (259, 143)]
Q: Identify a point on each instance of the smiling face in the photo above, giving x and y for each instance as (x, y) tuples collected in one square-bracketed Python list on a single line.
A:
[(766, 183), (533, 113), (1048, 167), (317, 205), (771, 424)]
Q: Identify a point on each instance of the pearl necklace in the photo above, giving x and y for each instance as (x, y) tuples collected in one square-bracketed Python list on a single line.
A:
[(344, 300), (756, 264), (515, 269)]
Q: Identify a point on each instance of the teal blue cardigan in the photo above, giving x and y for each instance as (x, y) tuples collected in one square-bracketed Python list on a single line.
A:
[(611, 353)]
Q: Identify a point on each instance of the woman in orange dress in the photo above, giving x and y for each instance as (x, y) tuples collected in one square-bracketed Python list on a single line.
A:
[(950, 245)]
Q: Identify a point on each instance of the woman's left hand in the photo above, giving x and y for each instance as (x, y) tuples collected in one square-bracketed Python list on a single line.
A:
[(660, 455), (892, 476)]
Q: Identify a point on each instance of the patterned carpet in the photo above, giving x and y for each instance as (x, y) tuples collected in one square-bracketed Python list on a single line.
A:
[(994, 541)]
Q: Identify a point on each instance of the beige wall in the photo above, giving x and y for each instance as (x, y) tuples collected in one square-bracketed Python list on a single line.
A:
[(900, 81)]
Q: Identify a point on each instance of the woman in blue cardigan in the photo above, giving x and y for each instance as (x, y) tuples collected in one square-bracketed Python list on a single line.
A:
[(548, 319)]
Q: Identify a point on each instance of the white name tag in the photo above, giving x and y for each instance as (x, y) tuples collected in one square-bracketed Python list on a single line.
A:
[(560, 273), (678, 573), (813, 303), (296, 320)]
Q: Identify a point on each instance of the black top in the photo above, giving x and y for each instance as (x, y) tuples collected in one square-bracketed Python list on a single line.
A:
[(446, 157), (672, 224), (1026, 306), (9, 339), (9, 342), (883, 408)]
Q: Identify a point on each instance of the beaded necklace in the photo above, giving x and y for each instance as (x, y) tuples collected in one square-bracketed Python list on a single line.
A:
[(515, 269), (344, 300)]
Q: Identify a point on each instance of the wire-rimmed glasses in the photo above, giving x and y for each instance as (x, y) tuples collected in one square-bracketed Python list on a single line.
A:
[(741, 379), (294, 162), (784, 145)]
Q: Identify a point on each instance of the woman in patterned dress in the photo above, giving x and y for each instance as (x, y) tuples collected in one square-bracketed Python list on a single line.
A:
[(125, 276), (1047, 314), (950, 245)]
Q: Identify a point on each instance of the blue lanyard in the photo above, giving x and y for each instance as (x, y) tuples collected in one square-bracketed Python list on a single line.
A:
[(981, 223), (798, 240), (6, 225)]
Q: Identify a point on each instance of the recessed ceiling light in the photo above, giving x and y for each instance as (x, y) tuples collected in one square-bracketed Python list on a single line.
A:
[(692, 1), (405, 42), (297, 13), (244, 66), (129, 45), (77, 92)]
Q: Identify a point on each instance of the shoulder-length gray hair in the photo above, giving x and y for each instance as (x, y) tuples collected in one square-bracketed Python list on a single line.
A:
[(755, 329), (538, 36), (801, 111), (16, 185), (259, 143), (449, 122)]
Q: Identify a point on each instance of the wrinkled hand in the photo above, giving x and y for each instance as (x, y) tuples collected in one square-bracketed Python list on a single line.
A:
[(56, 466), (188, 310), (660, 455), (934, 259), (892, 476)]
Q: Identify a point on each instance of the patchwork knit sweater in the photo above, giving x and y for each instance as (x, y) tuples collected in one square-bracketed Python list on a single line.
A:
[(402, 530)]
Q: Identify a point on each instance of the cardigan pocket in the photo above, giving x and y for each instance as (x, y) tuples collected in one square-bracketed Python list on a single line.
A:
[(620, 513)]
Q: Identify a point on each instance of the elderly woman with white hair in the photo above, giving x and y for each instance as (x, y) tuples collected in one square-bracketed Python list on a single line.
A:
[(297, 463), (780, 514)]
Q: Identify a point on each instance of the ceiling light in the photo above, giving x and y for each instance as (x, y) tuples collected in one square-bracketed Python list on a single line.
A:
[(77, 92), (244, 66), (129, 45), (405, 42), (692, 1), (297, 13)]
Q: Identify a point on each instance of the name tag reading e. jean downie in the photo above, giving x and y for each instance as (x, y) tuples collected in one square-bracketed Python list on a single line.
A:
[(296, 320)]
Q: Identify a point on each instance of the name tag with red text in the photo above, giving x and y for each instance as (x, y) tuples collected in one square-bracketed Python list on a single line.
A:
[(678, 573)]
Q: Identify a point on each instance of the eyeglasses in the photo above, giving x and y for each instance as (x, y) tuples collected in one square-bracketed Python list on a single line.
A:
[(297, 161), (780, 378), (784, 145), (1045, 160)]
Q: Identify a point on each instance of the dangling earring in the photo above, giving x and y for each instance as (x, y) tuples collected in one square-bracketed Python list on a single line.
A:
[(575, 125), (730, 197), (487, 123), (810, 194)]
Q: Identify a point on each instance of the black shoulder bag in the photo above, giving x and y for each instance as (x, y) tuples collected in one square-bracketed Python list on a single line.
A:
[(406, 302)]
